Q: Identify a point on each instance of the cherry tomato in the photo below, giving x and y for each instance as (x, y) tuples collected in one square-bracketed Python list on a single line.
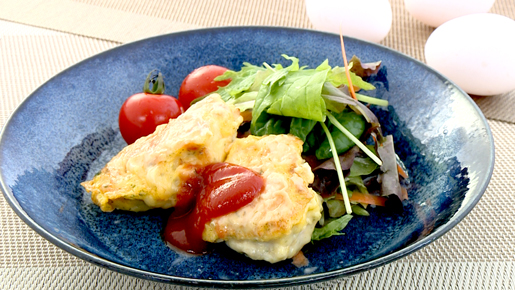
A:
[(200, 82), (143, 112)]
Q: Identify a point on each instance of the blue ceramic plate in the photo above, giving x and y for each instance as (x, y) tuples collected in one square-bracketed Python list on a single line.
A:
[(67, 130)]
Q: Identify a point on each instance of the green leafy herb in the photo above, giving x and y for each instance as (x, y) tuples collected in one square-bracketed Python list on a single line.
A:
[(291, 91), (299, 95), (336, 208), (331, 228), (271, 124), (351, 121), (338, 77), (362, 166), (241, 81), (358, 210), (349, 135), (301, 127), (293, 99), (356, 183), (312, 140)]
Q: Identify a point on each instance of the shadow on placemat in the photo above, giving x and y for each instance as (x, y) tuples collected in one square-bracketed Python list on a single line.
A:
[(499, 107)]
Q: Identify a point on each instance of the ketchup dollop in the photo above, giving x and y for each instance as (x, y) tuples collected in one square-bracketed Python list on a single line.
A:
[(220, 188)]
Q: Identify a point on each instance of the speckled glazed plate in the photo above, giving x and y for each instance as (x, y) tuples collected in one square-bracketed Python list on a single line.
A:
[(67, 130)]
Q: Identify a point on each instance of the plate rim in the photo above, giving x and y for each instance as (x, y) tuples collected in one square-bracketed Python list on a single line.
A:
[(258, 283)]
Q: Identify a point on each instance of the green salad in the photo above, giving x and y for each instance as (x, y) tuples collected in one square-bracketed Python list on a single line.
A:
[(355, 166)]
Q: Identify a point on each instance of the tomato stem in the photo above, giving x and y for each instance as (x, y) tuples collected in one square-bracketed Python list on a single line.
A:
[(154, 84)]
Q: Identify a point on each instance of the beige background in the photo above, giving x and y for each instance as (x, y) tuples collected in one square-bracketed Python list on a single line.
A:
[(39, 38)]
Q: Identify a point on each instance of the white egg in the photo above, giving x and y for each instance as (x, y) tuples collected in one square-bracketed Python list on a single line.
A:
[(436, 12), (365, 19), (476, 51)]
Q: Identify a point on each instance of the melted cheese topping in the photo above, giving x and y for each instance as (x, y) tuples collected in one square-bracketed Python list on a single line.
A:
[(278, 223), (151, 172)]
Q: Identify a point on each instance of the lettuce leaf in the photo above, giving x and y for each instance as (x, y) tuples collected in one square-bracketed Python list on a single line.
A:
[(304, 95), (301, 127), (270, 124), (241, 81), (338, 77), (299, 95)]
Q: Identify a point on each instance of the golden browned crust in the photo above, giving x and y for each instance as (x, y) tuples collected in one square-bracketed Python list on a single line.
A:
[(287, 200), (151, 172)]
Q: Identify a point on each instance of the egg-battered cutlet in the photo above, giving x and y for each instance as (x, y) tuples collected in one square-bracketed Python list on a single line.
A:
[(153, 171), (280, 221)]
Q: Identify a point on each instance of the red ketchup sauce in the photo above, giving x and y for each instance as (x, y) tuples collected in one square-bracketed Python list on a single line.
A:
[(221, 188)]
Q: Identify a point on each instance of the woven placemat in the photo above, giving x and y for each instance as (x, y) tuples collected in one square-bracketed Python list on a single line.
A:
[(479, 253)]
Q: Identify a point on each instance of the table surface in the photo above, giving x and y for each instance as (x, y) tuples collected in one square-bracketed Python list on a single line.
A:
[(39, 38)]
